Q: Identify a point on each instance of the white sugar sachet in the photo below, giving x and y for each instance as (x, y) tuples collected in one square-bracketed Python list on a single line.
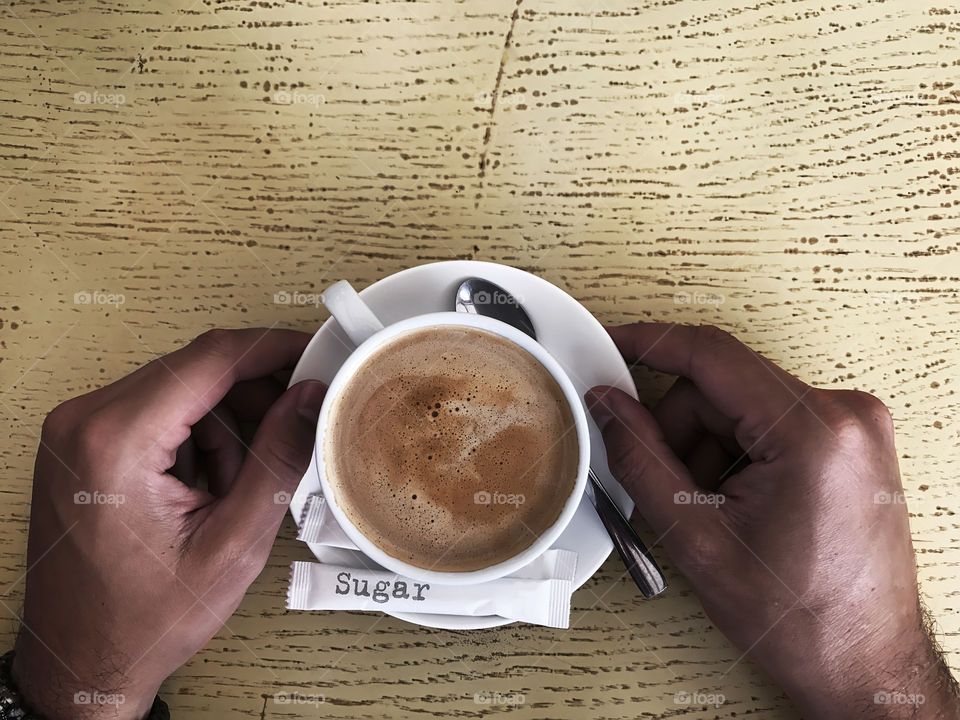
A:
[(538, 593), (542, 596), (318, 524)]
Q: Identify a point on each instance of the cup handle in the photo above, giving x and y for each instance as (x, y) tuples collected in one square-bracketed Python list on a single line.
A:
[(350, 312)]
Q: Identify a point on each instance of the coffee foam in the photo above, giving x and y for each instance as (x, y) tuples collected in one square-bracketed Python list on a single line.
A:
[(435, 423)]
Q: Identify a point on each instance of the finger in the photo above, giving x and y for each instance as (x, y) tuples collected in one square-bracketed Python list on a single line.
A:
[(639, 457), (185, 466), (737, 381), (686, 417), (172, 393), (246, 520), (217, 436), (249, 400), (699, 434), (709, 462)]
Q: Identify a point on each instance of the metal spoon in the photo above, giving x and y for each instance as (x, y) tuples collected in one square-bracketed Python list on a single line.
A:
[(482, 297)]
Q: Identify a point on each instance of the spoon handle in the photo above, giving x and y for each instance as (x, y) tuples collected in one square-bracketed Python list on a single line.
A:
[(643, 568)]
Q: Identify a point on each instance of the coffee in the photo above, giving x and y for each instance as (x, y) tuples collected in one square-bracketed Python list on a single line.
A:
[(451, 448)]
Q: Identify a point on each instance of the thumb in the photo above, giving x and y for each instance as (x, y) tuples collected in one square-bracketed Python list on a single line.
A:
[(247, 518), (638, 456)]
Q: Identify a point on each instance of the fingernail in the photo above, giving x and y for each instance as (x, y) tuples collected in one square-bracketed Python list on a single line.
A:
[(597, 404), (310, 399)]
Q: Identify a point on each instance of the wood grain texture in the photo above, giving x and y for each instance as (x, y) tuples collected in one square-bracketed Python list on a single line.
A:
[(784, 169)]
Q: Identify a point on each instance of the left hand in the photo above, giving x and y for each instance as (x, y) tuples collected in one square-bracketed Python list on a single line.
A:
[(132, 567)]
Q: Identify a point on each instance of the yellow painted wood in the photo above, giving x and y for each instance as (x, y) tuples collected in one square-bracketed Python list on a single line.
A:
[(788, 168)]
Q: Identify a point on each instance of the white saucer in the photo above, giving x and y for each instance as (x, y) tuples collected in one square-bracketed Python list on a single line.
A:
[(571, 334)]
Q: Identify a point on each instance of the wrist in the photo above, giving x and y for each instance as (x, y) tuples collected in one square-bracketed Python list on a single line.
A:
[(904, 678), (52, 689)]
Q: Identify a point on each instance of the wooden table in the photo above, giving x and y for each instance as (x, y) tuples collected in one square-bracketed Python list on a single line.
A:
[(784, 169)]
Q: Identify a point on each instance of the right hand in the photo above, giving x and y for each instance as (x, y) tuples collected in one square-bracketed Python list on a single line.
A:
[(782, 505), (122, 590)]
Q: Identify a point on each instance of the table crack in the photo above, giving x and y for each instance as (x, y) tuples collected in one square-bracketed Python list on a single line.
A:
[(495, 97)]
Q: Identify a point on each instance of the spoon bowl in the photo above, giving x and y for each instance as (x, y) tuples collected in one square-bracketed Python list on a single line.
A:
[(482, 297)]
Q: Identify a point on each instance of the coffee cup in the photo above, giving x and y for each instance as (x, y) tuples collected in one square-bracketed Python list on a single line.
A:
[(551, 438)]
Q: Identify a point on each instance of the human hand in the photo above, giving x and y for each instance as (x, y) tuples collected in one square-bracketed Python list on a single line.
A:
[(133, 567), (782, 505)]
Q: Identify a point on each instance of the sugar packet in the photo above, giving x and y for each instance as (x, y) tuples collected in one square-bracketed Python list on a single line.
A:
[(539, 593)]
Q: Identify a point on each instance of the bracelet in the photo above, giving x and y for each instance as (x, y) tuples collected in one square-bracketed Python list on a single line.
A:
[(13, 706)]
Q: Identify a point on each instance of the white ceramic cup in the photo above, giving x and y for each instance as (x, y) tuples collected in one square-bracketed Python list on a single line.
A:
[(368, 334)]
